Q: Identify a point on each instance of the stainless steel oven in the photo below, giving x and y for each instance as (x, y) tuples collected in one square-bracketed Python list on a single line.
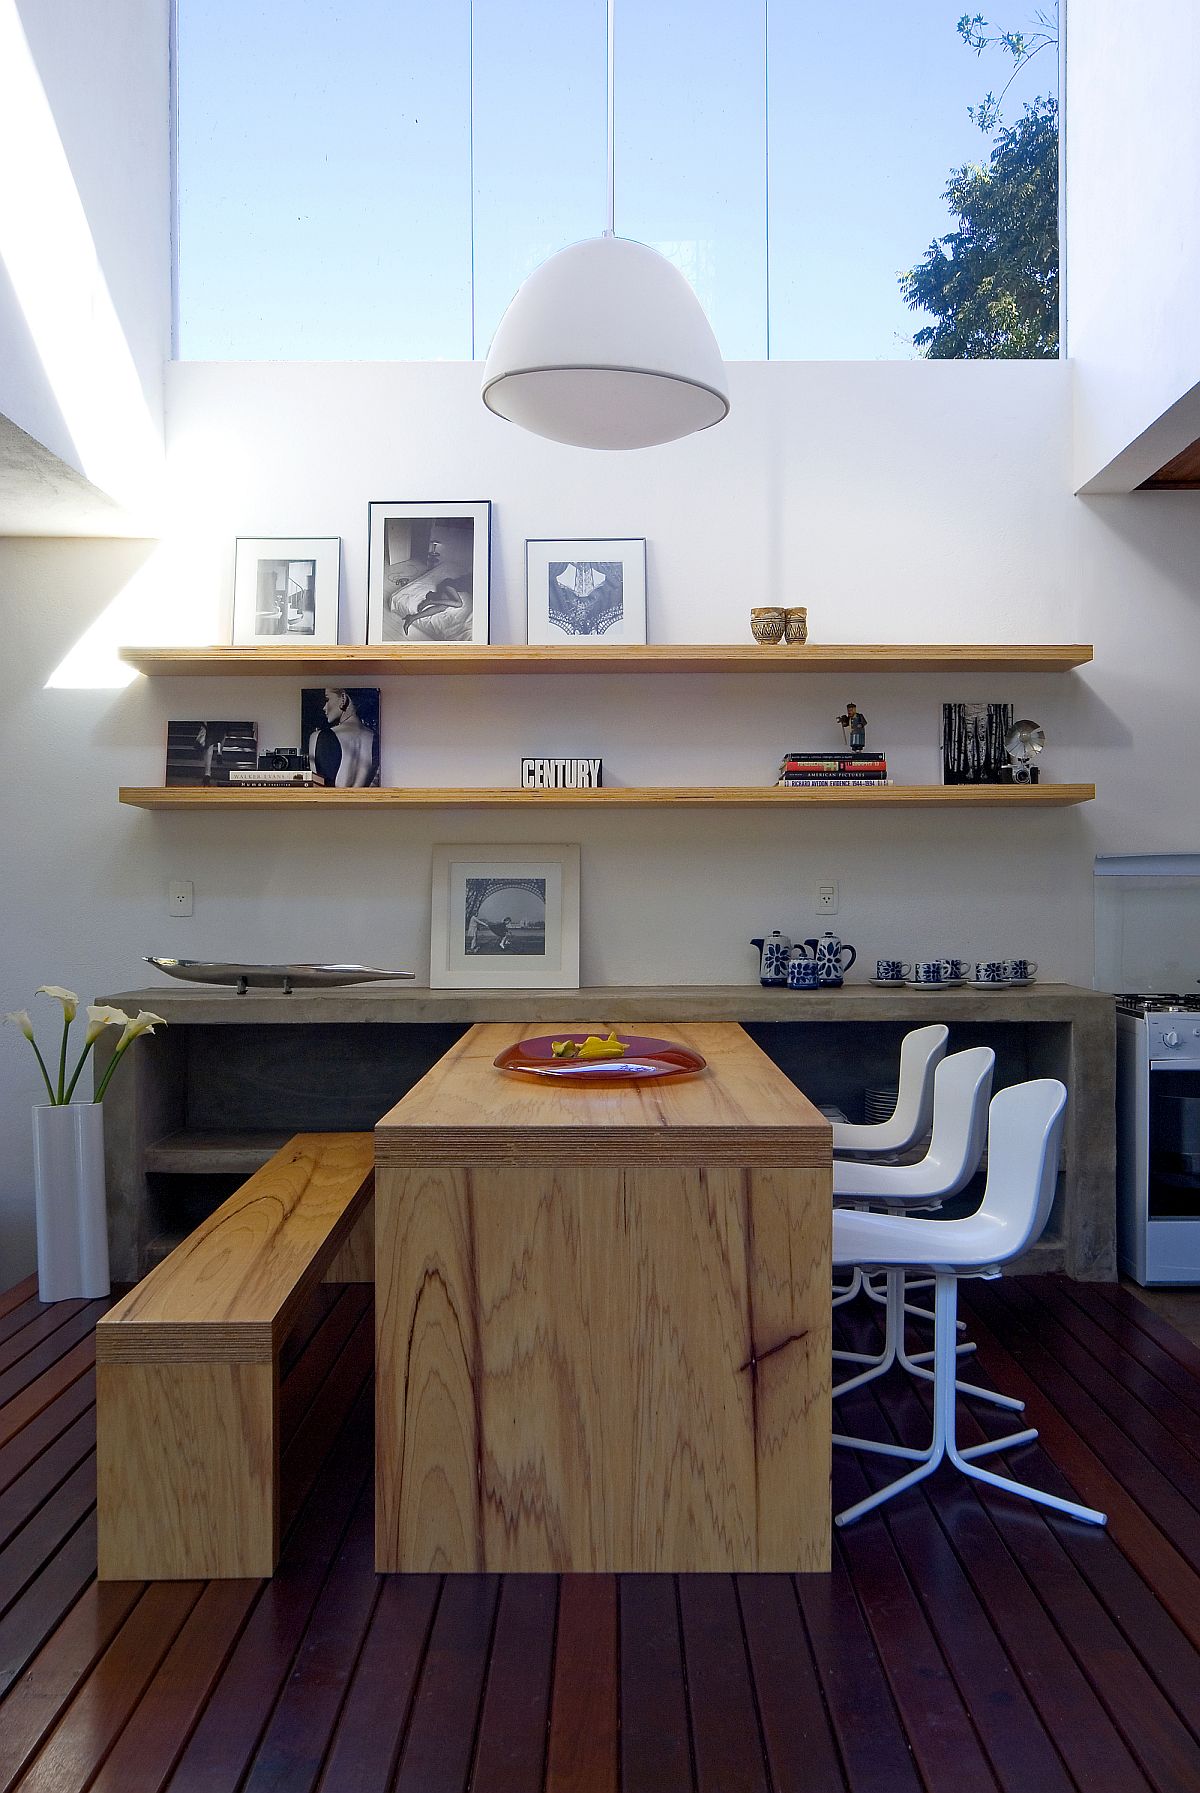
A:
[(1158, 1138)]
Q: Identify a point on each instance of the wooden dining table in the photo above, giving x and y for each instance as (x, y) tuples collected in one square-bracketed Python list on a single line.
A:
[(602, 1317)]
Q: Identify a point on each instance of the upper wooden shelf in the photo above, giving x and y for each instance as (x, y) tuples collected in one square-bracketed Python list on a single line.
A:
[(955, 796), (290, 661)]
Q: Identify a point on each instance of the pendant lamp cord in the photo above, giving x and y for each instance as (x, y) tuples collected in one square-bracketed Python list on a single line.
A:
[(611, 228)]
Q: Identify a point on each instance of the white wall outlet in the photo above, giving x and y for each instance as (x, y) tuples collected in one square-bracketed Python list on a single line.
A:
[(827, 897), (179, 897)]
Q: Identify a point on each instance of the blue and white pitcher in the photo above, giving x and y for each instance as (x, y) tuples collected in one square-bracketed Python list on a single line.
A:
[(830, 954), (773, 958)]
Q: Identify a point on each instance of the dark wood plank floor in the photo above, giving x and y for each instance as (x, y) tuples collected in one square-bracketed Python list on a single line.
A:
[(964, 1643)]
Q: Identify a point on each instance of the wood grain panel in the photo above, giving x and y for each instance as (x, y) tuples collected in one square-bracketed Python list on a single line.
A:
[(354, 1260), (187, 1467), (568, 1378), (788, 1277), (231, 1289), (426, 1374), (292, 661), (1180, 474), (741, 1110), (768, 796), (617, 1426)]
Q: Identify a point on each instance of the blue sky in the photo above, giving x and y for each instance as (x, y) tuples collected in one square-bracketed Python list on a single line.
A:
[(372, 179)]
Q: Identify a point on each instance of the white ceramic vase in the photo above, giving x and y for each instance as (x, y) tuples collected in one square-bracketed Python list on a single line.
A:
[(72, 1218)]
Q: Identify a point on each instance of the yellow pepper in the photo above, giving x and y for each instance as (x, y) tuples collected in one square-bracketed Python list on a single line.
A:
[(593, 1047)]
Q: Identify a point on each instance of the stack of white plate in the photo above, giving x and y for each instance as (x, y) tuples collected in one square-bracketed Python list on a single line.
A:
[(879, 1103)]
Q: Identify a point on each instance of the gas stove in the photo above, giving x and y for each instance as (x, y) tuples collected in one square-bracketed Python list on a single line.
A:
[(1157, 1002), (1158, 1136)]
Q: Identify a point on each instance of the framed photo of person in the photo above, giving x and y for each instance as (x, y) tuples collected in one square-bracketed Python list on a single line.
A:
[(586, 592), (285, 588), (339, 731), (428, 570), (505, 917)]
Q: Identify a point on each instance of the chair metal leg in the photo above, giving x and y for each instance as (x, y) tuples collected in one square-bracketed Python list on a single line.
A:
[(841, 1296), (945, 1431), (914, 1312), (892, 1335), (915, 1366)]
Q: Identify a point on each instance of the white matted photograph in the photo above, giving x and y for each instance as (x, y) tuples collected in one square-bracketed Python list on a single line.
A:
[(285, 588), (505, 917), (428, 572), (582, 591)]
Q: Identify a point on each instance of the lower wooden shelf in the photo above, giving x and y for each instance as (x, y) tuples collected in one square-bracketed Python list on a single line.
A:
[(953, 796), (201, 1152)]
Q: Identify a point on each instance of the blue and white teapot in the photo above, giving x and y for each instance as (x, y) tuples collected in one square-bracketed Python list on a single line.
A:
[(830, 954), (774, 952)]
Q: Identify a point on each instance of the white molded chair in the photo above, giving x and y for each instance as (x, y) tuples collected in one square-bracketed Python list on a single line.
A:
[(1024, 1133), (962, 1085), (921, 1052)]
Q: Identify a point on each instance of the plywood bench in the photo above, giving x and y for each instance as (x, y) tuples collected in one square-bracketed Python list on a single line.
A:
[(187, 1369)]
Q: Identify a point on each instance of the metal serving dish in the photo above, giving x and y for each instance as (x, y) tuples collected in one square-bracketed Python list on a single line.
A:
[(274, 977)]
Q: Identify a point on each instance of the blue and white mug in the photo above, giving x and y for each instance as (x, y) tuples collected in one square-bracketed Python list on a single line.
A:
[(891, 971), (954, 970), (802, 973), (1019, 971), (989, 971), (929, 971)]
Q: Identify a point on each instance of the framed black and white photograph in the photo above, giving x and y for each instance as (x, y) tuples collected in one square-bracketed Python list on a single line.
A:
[(285, 588), (586, 591), (505, 917), (973, 737), (339, 731), (207, 752), (428, 572)]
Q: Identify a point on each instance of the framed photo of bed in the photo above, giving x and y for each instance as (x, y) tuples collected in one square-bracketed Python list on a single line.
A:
[(428, 571)]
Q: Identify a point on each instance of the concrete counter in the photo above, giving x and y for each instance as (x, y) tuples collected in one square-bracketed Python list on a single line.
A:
[(207, 1100)]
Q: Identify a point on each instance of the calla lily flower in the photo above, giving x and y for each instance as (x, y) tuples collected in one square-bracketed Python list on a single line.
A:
[(100, 1016), (142, 1022), (68, 998)]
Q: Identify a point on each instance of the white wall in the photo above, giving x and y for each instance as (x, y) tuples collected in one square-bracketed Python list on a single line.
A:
[(1132, 185), (85, 233), (900, 502)]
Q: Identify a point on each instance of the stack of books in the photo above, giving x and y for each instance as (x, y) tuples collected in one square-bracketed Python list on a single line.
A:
[(267, 778), (834, 766)]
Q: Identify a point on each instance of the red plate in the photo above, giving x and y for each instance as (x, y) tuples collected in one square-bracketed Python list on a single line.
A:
[(642, 1060)]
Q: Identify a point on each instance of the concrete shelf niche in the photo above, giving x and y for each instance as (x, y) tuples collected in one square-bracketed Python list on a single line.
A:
[(210, 1098)]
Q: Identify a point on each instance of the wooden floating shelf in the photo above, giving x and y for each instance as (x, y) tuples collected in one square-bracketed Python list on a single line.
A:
[(960, 796), (290, 661)]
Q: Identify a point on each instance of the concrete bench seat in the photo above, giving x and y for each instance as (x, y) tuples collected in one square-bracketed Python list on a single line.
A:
[(187, 1369)]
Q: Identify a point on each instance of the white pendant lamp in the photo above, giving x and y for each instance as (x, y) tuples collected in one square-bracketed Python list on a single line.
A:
[(606, 345)]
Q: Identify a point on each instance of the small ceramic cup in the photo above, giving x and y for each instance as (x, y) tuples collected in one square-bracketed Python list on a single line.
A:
[(767, 624), (890, 971), (989, 971), (795, 625), (928, 971), (954, 970), (802, 974), (1019, 971)]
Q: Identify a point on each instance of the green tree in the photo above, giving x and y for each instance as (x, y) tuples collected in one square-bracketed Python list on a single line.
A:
[(991, 284)]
